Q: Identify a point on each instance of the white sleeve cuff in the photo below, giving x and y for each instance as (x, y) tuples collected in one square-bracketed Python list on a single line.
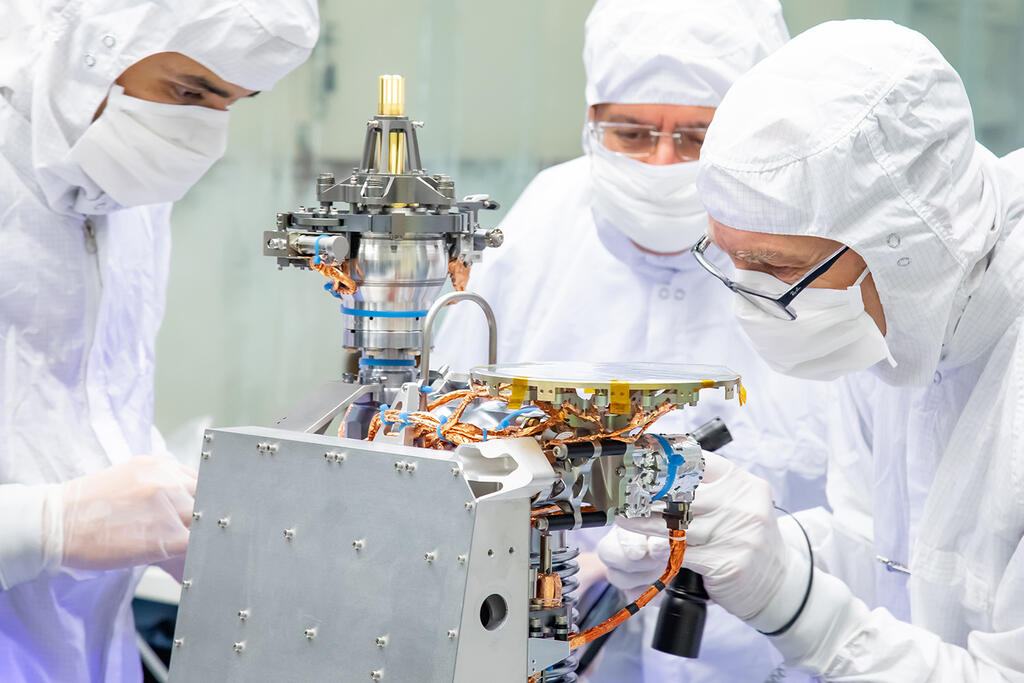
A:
[(31, 531), (830, 618)]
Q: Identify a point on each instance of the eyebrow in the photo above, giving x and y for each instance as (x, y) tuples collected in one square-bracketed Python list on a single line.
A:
[(622, 118), (765, 257), (203, 84)]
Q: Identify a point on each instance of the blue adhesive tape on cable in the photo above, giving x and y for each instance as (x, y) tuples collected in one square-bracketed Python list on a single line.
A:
[(316, 249), (384, 407), (516, 413), (441, 422), (674, 461), (485, 433), (362, 313)]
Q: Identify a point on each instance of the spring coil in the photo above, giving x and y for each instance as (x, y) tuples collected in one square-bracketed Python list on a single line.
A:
[(563, 563)]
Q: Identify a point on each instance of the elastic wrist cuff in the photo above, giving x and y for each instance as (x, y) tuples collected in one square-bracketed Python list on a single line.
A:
[(830, 618), (25, 521), (786, 602)]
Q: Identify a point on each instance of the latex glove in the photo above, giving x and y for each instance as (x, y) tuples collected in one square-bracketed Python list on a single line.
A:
[(634, 560), (137, 512), (734, 541)]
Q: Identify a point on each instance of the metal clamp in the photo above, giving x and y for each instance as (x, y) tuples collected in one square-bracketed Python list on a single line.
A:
[(428, 328)]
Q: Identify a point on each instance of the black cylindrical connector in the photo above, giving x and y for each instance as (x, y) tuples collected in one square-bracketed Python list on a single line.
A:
[(588, 520), (681, 619), (712, 435)]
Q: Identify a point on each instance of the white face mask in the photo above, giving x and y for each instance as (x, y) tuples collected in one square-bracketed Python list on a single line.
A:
[(655, 206), (832, 335), (141, 152)]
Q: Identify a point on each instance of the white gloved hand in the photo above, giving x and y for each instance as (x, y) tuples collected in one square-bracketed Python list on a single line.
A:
[(137, 512), (735, 543), (634, 560)]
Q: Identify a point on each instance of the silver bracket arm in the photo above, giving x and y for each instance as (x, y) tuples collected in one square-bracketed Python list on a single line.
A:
[(428, 328)]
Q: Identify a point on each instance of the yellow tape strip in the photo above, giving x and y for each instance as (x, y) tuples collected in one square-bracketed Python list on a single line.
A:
[(743, 394), (707, 384), (618, 398), (519, 387)]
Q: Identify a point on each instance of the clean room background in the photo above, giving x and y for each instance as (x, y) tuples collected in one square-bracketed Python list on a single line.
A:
[(500, 88)]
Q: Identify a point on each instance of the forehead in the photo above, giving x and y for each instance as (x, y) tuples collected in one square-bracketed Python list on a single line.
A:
[(679, 115), (748, 245)]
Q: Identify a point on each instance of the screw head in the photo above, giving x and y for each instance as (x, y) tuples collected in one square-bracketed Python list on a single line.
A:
[(376, 675), (410, 467), (456, 471), (451, 634), (461, 559), (243, 614), (196, 515), (429, 557), (205, 455), (178, 642), (223, 522), (381, 641), (289, 534), (186, 584), (239, 646), (310, 633), (358, 544), (470, 505)]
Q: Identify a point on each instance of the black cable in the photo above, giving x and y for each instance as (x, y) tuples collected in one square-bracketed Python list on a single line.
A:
[(810, 581)]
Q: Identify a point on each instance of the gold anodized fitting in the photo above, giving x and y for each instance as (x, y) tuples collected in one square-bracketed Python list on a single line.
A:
[(391, 96)]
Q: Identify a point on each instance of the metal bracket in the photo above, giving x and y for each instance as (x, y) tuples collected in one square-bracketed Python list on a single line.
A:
[(428, 328)]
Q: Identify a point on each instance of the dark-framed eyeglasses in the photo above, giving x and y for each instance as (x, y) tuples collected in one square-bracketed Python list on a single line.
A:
[(777, 305)]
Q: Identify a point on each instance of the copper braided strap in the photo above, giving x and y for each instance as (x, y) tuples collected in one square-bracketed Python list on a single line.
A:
[(458, 271), (677, 547), (342, 282)]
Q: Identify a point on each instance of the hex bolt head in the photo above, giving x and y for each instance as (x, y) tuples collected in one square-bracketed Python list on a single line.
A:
[(186, 584), (310, 633), (399, 466), (452, 633), (358, 544), (376, 675), (410, 467), (381, 641), (243, 614), (456, 471), (178, 642), (430, 557), (289, 534), (205, 455), (239, 646), (196, 515), (223, 522), (470, 505), (461, 559)]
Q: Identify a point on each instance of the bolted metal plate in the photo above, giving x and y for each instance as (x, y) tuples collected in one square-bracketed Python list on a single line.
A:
[(300, 560)]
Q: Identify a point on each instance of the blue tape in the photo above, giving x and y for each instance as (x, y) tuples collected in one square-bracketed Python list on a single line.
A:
[(404, 419), (386, 362), (516, 413), (440, 423), (329, 288), (383, 407), (674, 461), (316, 249), (485, 433), (362, 313), (426, 390)]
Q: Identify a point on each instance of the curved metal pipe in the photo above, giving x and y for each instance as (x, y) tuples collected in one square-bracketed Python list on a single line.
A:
[(428, 328)]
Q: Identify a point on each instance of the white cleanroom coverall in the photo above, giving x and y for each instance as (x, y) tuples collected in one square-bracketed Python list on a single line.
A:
[(567, 284), (82, 283), (860, 132)]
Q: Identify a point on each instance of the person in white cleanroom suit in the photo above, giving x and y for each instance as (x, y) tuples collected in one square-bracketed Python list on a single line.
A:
[(860, 135), (595, 268), (108, 112)]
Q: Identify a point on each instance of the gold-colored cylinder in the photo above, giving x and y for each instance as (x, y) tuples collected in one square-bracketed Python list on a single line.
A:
[(391, 102)]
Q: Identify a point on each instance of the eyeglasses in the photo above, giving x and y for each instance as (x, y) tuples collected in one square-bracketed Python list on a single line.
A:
[(777, 305), (640, 141)]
